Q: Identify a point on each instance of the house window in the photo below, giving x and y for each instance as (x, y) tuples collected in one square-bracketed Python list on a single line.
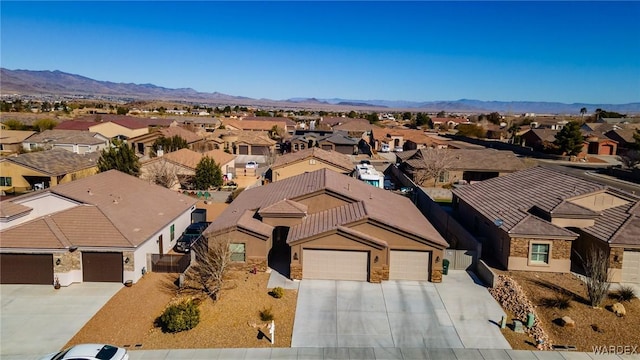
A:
[(172, 231), (5, 181), (540, 253), (444, 177), (237, 252)]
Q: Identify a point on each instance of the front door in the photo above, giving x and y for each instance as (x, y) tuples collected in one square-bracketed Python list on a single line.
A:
[(160, 247)]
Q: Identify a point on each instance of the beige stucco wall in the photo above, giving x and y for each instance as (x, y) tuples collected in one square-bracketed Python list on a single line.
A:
[(300, 167), (599, 202), (255, 247), (19, 184), (111, 130), (579, 223), (320, 202)]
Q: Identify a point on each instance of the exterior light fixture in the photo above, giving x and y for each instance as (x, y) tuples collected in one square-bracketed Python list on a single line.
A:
[(376, 259), (437, 259), (126, 260), (295, 256), (58, 261)]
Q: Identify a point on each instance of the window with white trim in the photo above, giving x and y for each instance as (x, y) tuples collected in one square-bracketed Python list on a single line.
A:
[(238, 252), (540, 253), (5, 181)]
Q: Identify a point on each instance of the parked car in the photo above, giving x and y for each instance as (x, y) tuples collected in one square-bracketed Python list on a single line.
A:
[(190, 236), (90, 352), (397, 149), (251, 165), (384, 148)]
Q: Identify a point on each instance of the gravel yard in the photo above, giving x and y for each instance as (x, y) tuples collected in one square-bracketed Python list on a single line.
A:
[(128, 318)]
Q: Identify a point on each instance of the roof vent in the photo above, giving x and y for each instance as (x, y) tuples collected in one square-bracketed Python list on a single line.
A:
[(89, 192)]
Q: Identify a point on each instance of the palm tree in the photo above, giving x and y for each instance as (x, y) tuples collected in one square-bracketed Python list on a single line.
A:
[(583, 111)]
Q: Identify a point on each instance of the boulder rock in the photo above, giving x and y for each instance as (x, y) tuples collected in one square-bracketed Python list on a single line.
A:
[(567, 322), (618, 309)]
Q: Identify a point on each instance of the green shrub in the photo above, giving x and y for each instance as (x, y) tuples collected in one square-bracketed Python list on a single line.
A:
[(625, 293), (560, 301), (266, 315), (180, 317), (234, 194), (277, 292)]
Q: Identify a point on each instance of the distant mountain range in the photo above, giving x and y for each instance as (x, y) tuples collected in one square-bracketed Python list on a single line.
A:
[(57, 83)]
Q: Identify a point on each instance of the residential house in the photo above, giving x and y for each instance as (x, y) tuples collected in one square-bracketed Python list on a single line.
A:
[(202, 124), (77, 141), (143, 144), (535, 219), (355, 129), (259, 125), (401, 139), (307, 160), (448, 122), (44, 169), (111, 126), (457, 165), (595, 144), (181, 165), (102, 228), (11, 140), (538, 138), (244, 142), (624, 138), (326, 225), (339, 142), (289, 125)]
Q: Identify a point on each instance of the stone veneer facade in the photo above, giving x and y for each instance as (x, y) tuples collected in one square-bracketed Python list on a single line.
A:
[(560, 249)]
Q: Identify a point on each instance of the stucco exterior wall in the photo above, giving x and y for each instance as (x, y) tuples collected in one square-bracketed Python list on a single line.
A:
[(111, 130), (320, 202), (579, 223)]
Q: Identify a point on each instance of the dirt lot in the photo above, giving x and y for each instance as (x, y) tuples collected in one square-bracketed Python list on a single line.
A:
[(128, 318), (594, 326)]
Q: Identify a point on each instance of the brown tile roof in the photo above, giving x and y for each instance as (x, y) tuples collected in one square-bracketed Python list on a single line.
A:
[(76, 125), (327, 220), (129, 122), (285, 207), (535, 226), (377, 202), (512, 197), (358, 125), (9, 209), (416, 136), (56, 162), (136, 208), (288, 121), (57, 136), (36, 234), (262, 125), (14, 136), (190, 158), (472, 159), (545, 134), (172, 131), (330, 157), (248, 222), (254, 138)]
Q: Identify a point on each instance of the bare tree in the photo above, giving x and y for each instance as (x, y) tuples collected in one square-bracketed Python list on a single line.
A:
[(213, 257), (435, 162), (630, 159), (162, 173), (596, 267)]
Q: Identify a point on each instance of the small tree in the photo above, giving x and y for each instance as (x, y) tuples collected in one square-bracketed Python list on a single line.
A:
[(121, 157), (435, 163), (163, 173), (213, 257), (570, 140), (596, 267), (44, 124), (171, 144), (13, 124), (583, 111), (208, 174)]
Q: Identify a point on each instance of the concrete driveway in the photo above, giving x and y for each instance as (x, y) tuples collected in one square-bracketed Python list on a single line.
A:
[(458, 313), (37, 319)]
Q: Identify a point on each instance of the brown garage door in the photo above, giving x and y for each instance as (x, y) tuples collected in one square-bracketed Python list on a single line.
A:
[(26, 269), (243, 150), (102, 267)]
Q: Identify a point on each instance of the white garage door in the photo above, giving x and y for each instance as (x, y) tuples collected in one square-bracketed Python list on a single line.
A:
[(409, 265), (631, 266), (335, 265)]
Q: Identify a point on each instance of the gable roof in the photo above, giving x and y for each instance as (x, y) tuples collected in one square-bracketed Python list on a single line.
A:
[(56, 162), (330, 157), (57, 136), (261, 125), (544, 134), (172, 131), (512, 197), (327, 220), (190, 158), (469, 159), (76, 125), (339, 138), (406, 217), (14, 136), (285, 207), (128, 122)]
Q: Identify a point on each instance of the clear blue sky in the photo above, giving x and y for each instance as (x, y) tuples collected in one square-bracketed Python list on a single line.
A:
[(420, 51)]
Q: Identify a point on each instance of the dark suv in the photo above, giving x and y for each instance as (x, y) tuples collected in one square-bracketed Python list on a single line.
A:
[(190, 236)]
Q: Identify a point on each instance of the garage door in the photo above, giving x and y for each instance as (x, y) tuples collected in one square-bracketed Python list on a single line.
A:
[(26, 269), (631, 266), (243, 150), (101, 267), (409, 265), (335, 265)]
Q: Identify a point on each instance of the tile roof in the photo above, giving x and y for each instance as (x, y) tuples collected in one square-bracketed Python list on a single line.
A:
[(532, 225), (9, 209), (129, 122), (14, 136), (288, 121), (285, 207), (545, 134), (36, 234), (327, 220), (331, 157), (172, 131), (416, 136), (190, 158), (339, 138), (136, 208), (58, 136), (406, 217), (56, 162), (470, 159), (263, 125), (511, 198), (76, 125)]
